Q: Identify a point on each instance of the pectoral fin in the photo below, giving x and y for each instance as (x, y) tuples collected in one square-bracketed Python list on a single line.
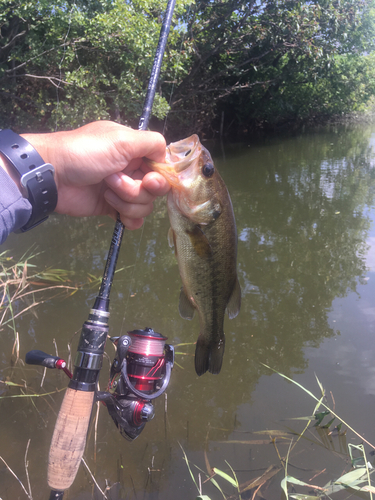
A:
[(171, 238), (200, 242), (234, 304), (186, 309)]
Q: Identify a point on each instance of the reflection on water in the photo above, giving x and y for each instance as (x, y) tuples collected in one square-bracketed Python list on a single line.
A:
[(302, 209)]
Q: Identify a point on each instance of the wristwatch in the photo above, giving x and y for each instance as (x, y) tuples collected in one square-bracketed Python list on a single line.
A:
[(37, 182)]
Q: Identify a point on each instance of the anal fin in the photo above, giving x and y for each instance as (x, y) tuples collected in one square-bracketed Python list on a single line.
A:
[(185, 307), (234, 304)]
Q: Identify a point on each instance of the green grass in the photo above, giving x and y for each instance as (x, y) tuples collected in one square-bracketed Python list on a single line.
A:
[(354, 482)]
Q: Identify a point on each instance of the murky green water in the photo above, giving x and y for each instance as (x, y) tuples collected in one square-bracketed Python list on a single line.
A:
[(305, 210)]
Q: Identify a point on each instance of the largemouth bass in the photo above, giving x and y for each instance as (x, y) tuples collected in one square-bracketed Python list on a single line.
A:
[(203, 232)]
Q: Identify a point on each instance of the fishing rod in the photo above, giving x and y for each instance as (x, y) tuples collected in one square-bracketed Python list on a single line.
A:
[(139, 373)]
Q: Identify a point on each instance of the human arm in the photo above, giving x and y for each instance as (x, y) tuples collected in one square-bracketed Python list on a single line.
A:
[(99, 170)]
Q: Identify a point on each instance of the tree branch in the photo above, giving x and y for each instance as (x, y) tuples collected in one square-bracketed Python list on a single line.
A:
[(51, 79), (36, 57), (226, 90), (9, 45)]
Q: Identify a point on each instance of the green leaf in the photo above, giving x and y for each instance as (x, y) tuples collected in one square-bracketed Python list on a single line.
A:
[(320, 385), (319, 417), (312, 417), (225, 476), (301, 496), (351, 476), (293, 480), (328, 424), (216, 484), (7, 382), (284, 486), (368, 487)]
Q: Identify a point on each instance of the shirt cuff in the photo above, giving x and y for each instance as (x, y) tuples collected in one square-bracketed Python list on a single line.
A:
[(15, 210)]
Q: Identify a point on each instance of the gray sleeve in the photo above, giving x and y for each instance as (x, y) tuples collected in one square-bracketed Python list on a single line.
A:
[(15, 210)]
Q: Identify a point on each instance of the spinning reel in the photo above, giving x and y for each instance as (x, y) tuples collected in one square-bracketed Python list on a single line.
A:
[(140, 372)]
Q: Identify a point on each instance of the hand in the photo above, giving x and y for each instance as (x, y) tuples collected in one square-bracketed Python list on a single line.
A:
[(100, 171)]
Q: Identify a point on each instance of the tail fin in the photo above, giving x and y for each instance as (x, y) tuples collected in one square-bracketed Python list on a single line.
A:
[(209, 355)]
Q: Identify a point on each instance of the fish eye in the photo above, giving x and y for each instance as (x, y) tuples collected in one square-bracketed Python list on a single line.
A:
[(208, 170), (188, 152)]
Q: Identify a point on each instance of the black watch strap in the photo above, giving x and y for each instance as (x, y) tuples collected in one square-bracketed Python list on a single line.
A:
[(36, 177)]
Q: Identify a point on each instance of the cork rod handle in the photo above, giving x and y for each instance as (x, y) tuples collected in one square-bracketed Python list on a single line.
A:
[(69, 438)]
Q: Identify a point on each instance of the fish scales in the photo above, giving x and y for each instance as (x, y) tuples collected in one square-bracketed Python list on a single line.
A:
[(205, 279), (203, 231)]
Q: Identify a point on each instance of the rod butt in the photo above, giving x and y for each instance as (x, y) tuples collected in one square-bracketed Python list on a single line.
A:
[(69, 438)]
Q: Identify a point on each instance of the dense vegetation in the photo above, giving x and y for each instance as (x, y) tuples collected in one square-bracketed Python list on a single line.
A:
[(230, 64)]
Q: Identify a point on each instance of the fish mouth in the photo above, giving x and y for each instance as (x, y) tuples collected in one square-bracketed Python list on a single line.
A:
[(179, 156), (182, 153)]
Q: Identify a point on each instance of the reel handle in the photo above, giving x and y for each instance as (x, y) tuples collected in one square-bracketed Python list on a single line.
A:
[(41, 358), (69, 438)]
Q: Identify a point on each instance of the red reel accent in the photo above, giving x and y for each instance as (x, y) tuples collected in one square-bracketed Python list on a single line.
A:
[(61, 365)]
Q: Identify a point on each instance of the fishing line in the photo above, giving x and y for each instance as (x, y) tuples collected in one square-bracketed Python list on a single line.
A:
[(62, 60), (132, 279), (143, 122), (174, 78)]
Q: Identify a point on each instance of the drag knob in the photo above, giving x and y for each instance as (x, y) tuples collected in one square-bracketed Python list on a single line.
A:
[(143, 412), (147, 412)]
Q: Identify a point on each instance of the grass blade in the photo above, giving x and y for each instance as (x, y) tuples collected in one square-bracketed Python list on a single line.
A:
[(320, 402), (188, 466), (225, 476)]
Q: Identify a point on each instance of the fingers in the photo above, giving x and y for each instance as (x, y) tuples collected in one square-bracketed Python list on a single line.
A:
[(132, 214), (141, 191), (155, 184), (133, 198), (129, 223), (137, 144), (132, 210), (126, 141)]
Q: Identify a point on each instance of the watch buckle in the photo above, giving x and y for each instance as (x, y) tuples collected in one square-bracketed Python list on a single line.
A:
[(34, 173)]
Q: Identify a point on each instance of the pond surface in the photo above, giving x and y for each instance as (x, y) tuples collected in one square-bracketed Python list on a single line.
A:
[(306, 261)]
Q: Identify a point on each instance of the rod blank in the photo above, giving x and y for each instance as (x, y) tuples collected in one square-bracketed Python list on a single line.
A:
[(69, 437)]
